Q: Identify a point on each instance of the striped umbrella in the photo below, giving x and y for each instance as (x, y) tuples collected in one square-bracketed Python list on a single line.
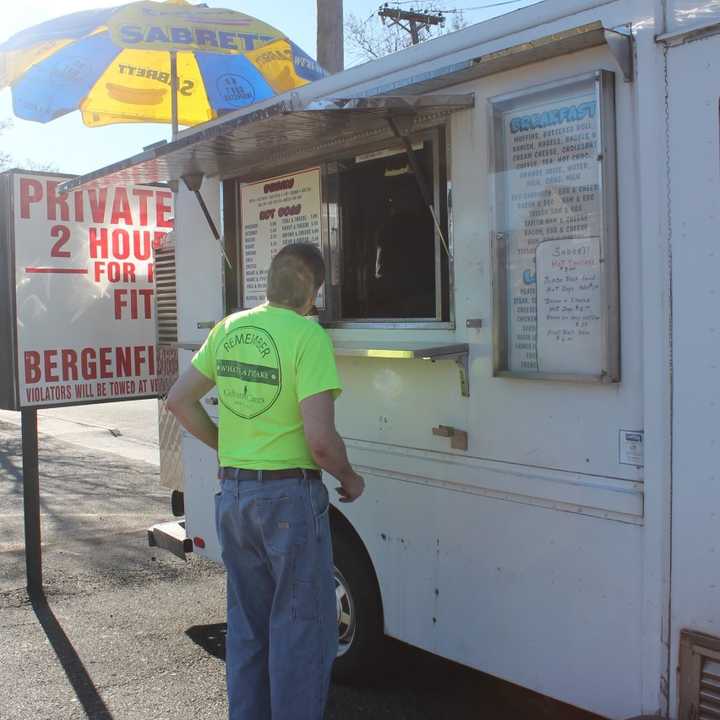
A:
[(119, 65)]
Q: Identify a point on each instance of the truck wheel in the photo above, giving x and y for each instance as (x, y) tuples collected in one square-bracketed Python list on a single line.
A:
[(360, 624), (177, 503)]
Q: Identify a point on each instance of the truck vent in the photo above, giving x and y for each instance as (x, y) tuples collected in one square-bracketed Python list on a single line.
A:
[(699, 676), (171, 467), (166, 295)]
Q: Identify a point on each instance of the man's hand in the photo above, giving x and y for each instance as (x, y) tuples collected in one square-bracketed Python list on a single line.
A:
[(352, 487)]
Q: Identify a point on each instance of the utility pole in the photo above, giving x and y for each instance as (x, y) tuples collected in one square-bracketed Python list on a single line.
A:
[(330, 48), (416, 21)]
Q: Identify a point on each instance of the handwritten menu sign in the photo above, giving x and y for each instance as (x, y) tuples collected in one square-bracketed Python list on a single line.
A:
[(277, 212), (569, 331), (550, 204)]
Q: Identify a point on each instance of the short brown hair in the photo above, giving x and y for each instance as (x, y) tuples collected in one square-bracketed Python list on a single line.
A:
[(296, 274)]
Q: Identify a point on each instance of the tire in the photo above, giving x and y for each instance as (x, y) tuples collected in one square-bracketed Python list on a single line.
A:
[(360, 620), (177, 503)]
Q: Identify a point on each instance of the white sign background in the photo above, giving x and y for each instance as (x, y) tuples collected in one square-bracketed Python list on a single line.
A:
[(569, 306), (277, 212), (85, 290)]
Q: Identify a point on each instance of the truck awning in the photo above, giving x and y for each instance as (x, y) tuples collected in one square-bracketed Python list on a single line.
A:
[(285, 131)]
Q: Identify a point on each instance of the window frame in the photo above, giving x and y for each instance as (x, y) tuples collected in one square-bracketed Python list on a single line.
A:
[(604, 92), (332, 236)]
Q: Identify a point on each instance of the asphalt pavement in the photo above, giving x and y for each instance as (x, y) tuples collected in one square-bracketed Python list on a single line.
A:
[(131, 633)]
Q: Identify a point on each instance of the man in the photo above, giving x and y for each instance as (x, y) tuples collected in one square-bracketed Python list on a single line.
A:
[(277, 381)]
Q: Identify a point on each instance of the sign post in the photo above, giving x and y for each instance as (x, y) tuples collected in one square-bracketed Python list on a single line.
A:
[(31, 502)]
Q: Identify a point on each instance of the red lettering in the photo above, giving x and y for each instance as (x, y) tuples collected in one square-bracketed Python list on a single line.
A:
[(98, 245), (139, 357), (147, 295), (141, 244), (98, 203), (279, 185), (163, 210), (290, 210), (121, 243), (151, 272), (31, 191), (50, 358), (121, 208), (69, 365), (120, 303), (144, 195), (88, 365), (105, 362), (79, 207), (123, 362), (128, 272), (63, 233), (55, 201), (32, 366)]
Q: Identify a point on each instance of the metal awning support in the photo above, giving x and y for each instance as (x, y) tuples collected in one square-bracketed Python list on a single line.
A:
[(277, 133), (620, 45), (194, 183), (420, 180)]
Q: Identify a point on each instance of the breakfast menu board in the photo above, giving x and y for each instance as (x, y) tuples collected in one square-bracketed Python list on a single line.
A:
[(277, 212), (551, 223)]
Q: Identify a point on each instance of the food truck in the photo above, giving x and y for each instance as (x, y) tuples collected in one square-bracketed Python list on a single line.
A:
[(520, 223)]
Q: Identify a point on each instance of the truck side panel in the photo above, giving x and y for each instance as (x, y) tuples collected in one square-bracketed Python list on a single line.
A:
[(694, 165)]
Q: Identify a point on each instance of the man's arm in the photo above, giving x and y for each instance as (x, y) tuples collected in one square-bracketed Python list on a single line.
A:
[(183, 402), (326, 446)]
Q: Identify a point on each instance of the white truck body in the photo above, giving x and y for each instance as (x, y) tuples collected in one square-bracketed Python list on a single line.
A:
[(539, 554)]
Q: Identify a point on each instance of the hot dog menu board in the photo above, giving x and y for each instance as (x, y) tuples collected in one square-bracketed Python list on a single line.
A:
[(277, 212)]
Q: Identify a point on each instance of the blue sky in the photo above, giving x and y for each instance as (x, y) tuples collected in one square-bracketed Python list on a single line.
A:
[(73, 148)]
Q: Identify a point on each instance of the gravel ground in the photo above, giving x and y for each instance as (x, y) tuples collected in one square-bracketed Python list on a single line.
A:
[(133, 634)]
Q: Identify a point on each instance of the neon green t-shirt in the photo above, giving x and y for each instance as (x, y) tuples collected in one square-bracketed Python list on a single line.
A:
[(264, 362)]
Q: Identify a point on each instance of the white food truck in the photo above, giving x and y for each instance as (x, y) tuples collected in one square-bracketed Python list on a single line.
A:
[(521, 222)]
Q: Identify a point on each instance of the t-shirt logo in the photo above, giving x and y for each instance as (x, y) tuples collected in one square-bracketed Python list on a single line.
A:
[(249, 376)]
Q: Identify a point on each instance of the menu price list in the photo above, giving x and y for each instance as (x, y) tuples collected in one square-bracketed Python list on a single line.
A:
[(275, 213), (550, 193)]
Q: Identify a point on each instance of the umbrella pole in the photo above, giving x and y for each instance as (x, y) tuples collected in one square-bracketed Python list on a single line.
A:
[(173, 91)]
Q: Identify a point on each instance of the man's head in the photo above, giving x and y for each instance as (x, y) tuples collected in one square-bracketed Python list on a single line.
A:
[(296, 274)]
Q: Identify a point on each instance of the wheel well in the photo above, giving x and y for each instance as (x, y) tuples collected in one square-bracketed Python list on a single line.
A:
[(339, 523)]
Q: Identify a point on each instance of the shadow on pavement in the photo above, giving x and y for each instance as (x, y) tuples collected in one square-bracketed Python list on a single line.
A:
[(85, 690), (211, 638), (440, 689)]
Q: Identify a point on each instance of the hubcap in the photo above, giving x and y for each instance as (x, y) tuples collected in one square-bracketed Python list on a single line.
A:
[(346, 617)]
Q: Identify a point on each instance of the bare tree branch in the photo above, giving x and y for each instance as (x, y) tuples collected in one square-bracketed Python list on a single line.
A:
[(372, 38), (7, 161)]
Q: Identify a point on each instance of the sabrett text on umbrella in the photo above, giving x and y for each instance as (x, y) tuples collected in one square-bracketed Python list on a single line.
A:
[(185, 87), (202, 37)]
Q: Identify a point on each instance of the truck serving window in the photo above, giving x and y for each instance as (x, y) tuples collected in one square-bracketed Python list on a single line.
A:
[(370, 216), (392, 263)]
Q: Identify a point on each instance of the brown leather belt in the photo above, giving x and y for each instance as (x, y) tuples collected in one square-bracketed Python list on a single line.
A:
[(239, 474)]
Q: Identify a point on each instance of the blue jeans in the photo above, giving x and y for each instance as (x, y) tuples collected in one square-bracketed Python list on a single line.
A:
[(281, 613)]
